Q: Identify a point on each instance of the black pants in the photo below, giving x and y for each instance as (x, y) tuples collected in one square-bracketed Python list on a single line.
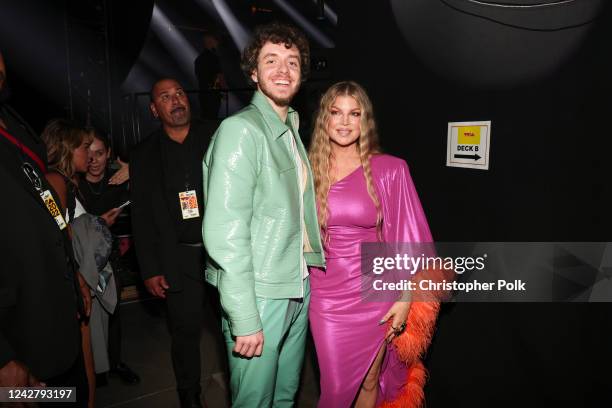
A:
[(185, 319), (74, 377)]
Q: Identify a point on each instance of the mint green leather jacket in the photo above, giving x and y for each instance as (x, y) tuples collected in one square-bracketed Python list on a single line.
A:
[(252, 227)]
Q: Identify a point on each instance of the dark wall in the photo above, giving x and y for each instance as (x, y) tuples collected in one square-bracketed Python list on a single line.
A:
[(548, 181), (549, 147), (32, 39), (39, 38)]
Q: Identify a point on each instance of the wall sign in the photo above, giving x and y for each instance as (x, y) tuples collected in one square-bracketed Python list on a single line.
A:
[(468, 144)]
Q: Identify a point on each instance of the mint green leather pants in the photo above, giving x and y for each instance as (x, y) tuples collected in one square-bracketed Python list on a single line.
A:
[(272, 379)]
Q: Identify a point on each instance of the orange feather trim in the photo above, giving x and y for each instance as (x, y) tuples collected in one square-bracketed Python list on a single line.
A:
[(410, 346), (411, 394), (414, 341)]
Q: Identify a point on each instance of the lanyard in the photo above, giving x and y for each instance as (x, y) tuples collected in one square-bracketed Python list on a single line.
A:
[(33, 176), (24, 149)]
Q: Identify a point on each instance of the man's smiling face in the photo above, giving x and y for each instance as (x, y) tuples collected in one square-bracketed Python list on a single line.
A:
[(278, 74)]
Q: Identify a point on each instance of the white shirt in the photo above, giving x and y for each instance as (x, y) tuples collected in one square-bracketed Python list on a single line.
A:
[(302, 178)]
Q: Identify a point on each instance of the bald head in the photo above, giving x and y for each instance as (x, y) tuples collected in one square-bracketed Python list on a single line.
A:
[(170, 104), (160, 84)]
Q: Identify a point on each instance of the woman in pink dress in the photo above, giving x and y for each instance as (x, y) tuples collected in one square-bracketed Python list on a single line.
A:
[(368, 351)]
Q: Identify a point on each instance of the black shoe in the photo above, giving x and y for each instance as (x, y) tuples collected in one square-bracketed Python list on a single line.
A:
[(125, 373), (189, 399)]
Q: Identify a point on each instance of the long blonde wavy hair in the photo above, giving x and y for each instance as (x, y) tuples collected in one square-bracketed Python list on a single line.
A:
[(320, 151)]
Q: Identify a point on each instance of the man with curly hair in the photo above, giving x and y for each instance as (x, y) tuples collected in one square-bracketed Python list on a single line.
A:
[(260, 225)]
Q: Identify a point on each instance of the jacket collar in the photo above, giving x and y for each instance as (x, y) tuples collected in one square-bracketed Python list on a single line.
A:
[(272, 119)]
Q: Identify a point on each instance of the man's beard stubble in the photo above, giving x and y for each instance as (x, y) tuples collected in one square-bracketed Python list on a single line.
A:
[(181, 121), (278, 101)]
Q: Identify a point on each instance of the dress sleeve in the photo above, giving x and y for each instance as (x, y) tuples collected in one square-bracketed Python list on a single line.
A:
[(404, 221), (403, 216)]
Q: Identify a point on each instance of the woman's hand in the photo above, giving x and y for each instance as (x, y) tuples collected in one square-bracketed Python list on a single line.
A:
[(122, 175), (85, 294), (398, 313), (110, 216)]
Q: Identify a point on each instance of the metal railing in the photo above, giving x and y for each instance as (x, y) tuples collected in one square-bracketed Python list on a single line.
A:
[(137, 120)]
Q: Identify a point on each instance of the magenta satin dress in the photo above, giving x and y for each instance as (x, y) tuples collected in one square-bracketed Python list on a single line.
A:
[(345, 329)]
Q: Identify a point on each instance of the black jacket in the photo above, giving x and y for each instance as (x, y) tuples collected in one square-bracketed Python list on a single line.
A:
[(153, 222), (38, 324)]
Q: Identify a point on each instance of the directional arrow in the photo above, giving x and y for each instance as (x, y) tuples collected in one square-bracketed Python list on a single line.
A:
[(468, 156)]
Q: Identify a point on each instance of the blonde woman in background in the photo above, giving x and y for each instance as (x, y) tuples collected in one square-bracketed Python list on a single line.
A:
[(68, 155)]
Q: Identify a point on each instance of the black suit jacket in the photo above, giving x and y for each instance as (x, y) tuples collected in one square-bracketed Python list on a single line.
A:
[(153, 222), (38, 324)]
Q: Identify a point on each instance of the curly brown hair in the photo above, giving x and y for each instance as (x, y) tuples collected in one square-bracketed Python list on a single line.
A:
[(276, 33)]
